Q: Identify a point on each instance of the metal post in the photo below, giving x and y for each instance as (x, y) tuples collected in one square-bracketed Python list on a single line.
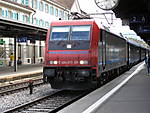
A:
[(40, 48), (15, 55), (31, 86), (111, 19), (34, 53)]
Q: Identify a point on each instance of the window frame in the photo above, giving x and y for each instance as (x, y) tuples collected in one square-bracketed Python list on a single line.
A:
[(46, 8), (59, 26), (70, 32), (51, 10), (41, 6), (79, 26), (34, 4)]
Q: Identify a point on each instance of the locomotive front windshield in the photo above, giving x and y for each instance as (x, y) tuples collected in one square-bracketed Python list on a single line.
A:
[(61, 36), (80, 33), (60, 33)]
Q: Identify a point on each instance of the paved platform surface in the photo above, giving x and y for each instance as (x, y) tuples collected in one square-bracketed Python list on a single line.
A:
[(21, 68), (132, 97), (7, 73)]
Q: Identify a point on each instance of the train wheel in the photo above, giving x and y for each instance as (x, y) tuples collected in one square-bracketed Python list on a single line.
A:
[(105, 78)]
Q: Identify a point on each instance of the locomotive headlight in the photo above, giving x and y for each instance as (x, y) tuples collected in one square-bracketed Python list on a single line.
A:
[(55, 62), (83, 62)]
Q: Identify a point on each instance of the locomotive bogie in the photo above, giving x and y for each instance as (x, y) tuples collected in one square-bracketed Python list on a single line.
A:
[(72, 76), (49, 72)]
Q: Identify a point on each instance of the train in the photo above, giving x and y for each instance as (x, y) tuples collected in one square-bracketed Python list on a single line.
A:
[(81, 55)]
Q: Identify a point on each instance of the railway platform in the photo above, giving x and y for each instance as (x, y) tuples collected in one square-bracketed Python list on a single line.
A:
[(129, 93), (7, 73)]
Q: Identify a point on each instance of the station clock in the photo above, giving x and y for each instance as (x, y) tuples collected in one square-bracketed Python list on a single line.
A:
[(107, 4)]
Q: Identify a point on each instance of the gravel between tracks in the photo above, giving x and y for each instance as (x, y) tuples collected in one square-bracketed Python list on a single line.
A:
[(9, 101)]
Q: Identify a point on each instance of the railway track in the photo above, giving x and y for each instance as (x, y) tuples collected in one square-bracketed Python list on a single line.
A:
[(13, 88), (50, 103)]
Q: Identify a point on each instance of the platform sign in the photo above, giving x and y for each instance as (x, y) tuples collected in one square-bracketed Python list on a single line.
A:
[(22, 39), (144, 29), (2, 42), (139, 19)]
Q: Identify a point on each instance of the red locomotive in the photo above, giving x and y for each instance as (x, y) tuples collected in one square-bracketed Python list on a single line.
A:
[(78, 54)]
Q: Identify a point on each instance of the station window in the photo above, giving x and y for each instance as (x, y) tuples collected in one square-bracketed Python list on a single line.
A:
[(37, 22), (3, 13), (34, 4), (60, 13), (6, 13), (16, 16), (26, 18), (52, 10), (26, 2), (46, 8), (46, 24), (56, 12), (41, 23), (10, 14), (62, 16), (34, 21), (41, 6)]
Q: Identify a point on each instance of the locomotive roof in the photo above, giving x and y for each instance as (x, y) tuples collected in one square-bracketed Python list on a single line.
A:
[(73, 22)]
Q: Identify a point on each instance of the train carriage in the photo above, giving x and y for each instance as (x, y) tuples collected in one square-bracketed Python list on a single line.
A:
[(134, 53), (113, 51)]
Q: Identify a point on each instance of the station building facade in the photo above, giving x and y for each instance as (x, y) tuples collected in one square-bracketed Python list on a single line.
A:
[(37, 12)]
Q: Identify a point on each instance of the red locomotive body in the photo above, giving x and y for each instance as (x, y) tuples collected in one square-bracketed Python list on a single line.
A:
[(71, 54)]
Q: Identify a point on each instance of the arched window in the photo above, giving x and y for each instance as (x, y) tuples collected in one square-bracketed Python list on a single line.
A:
[(47, 24), (41, 7), (34, 4), (46, 8), (34, 21), (41, 23), (56, 12), (52, 10)]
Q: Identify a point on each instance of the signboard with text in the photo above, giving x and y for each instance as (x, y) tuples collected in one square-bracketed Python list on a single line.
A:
[(22, 39)]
